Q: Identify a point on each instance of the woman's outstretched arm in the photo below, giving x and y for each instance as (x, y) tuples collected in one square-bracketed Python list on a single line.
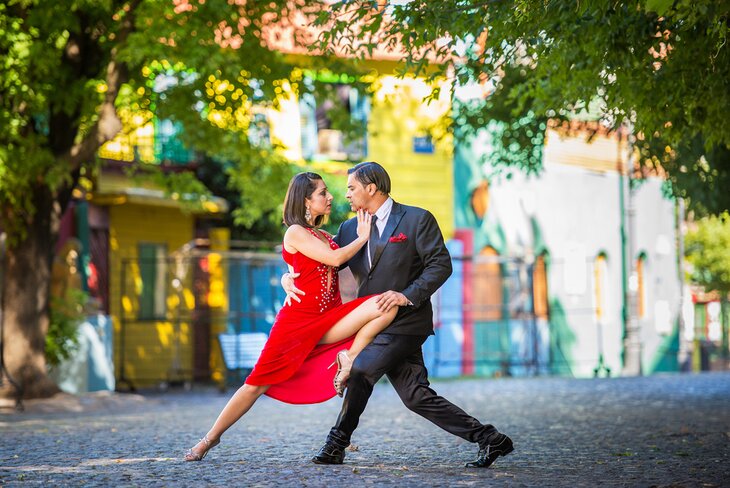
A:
[(298, 239)]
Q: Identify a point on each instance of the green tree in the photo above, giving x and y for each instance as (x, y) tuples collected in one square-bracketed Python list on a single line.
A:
[(659, 66), (72, 75), (707, 250)]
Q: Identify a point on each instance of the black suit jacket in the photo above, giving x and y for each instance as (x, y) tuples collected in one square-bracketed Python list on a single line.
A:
[(410, 257)]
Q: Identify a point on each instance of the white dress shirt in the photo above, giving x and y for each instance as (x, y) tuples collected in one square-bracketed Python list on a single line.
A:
[(382, 214)]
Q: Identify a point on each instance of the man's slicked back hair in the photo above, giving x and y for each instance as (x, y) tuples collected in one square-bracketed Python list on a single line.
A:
[(371, 172)]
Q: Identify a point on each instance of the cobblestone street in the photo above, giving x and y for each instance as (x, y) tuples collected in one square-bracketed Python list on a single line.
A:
[(651, 431)]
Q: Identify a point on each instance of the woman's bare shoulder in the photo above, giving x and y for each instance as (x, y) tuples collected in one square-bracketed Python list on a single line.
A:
[(297, 233), (294, 235), (295, 230)]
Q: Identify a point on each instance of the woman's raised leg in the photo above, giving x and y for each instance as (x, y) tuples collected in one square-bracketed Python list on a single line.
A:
[(240, 403), (365, 322)]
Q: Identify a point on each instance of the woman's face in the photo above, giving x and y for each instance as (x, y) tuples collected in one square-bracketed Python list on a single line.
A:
[(320, 203)]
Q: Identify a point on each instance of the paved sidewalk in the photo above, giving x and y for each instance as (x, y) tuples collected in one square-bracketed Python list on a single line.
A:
[(653, 431)]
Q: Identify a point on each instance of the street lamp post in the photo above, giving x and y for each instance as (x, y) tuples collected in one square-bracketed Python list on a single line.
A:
[(632, 332)]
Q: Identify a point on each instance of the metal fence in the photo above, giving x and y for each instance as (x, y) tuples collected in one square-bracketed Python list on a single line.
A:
[(171, 308)]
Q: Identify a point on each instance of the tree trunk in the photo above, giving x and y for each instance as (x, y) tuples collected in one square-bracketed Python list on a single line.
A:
[(25, 302)]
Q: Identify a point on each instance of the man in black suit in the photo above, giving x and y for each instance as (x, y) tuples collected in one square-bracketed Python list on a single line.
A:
[(405, 252)]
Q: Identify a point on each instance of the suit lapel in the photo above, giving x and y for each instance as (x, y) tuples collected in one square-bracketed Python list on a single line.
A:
[(396, 213)]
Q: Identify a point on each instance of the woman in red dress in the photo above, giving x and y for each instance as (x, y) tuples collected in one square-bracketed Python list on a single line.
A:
[(307, 336)]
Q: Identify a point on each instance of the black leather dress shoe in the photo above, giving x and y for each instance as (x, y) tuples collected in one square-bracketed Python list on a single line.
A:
[(329, 454), (489, 453)]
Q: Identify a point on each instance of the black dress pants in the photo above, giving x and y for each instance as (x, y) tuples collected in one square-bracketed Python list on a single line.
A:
[(400, 358)]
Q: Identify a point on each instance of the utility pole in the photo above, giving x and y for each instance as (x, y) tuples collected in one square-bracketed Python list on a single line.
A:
[(685, 349)]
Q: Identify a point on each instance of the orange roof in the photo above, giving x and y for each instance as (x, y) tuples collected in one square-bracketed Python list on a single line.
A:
[(295, 32)]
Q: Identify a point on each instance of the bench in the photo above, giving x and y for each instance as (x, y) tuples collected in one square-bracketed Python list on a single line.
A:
[(240, 353)]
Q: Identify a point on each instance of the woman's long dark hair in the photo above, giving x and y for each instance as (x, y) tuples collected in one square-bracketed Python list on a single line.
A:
[(300, 187)]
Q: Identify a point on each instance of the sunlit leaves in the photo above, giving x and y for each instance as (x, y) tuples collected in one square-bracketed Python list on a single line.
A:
[(204, 66), (707, 244)]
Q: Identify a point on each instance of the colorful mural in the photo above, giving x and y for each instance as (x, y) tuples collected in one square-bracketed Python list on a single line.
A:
[(566, 225)]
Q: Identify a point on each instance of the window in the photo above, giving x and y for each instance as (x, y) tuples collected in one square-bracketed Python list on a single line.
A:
[(641, 286), (258, 131), (480, 199), (153, 273), (487, 286), (600, 286), (539, 288), (169, 149), (320, 139)]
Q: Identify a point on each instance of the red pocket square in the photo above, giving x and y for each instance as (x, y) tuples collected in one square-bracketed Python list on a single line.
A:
[(399, 238)]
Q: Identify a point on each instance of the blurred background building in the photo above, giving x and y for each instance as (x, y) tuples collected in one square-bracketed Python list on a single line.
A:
[(564, 272)]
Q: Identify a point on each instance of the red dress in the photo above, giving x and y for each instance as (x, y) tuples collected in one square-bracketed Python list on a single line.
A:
[(292, 362)]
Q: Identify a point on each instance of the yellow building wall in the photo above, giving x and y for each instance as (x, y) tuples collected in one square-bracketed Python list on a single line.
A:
[(134, 143), (153, 349), (218, 297), (398, 114)]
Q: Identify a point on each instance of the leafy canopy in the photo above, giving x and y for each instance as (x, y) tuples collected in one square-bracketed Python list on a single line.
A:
[(707, 247), (659, 66), (76, 73)]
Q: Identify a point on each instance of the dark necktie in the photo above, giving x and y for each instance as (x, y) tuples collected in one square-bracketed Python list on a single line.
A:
[(374, 236)]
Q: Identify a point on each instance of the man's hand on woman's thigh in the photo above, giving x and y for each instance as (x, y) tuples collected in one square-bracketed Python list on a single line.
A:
[(390, 299)]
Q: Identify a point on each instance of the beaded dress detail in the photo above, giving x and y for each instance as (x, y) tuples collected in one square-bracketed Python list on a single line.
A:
[(292, 362)]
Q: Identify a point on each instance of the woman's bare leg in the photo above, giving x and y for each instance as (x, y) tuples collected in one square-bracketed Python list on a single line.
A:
[(240, 403), (365, 322)]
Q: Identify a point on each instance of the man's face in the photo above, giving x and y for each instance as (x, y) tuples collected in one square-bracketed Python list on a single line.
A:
[(357, 194)]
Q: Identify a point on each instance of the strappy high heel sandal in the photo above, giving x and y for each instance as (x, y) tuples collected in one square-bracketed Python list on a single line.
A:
[(344, 365), (191, 456)]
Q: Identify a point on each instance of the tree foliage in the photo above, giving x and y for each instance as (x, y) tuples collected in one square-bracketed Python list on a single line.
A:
[(661, 67), (67, 312), (707, 246), (74, 74)]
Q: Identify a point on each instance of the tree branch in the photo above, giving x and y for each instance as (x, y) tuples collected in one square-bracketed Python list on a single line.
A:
[(108, 124)]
